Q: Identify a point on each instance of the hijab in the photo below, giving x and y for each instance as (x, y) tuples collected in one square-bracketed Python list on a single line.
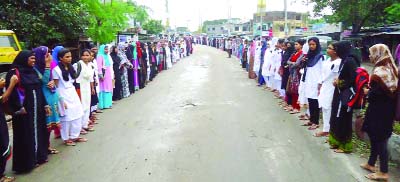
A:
[(55, 53), (397, 54), (40, 55), (289, 51), (385, 67), (102, 53), (27, 74), (313, 56)]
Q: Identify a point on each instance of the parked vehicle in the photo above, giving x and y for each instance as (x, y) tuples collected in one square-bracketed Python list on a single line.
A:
[(9, 49)]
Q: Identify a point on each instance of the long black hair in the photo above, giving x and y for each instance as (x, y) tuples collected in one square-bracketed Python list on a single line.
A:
[(64, 71)]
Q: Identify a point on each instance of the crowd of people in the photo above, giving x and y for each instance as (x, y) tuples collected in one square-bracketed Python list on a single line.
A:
[(46, 91), (308, 82)]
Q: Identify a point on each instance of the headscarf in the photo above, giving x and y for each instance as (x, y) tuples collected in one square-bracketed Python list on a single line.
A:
[(40, 55), (289, 51), (27, 74), (138, 50), (101, 53), (313, 56), (55, 53), (385, 67), (397, 54), (263, 49), (252, 48)]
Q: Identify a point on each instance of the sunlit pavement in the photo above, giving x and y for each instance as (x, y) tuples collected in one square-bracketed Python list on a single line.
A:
[(201, 121)]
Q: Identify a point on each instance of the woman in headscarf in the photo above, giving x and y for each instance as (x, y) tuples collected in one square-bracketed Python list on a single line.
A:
[(257, 59), (124, 66), (330, 71), (285, 73), (5, 144), (42, 66), (340, 132), (267, 70), (378, 122), (29, 108), (117, 91), (244, 54), (261, 80), (252, 51), (85, 80), (312, 73), (105, 75), (71, 111)]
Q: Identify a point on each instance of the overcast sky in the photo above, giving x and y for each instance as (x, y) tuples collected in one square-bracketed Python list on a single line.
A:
[(192, 12)]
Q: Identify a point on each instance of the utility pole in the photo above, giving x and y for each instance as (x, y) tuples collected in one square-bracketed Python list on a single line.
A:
[(286, 24)]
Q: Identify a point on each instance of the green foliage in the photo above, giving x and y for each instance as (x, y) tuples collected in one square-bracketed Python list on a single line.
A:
[(49, 22), (355, 13), (396, 128), (45, 23), (106, 20), (394, 12), (153, 26)]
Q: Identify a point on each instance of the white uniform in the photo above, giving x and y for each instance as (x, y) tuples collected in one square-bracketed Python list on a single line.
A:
[(84, 80), (330, 71), (70, 117)]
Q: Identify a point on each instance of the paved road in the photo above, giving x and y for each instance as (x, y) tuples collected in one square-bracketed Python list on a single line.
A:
[(201, 121)]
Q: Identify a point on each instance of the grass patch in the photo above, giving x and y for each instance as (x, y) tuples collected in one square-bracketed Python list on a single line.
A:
[(361, 147), (396, 128)]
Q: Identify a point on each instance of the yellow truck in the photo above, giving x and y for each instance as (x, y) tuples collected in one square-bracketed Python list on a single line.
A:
[(9, 48)]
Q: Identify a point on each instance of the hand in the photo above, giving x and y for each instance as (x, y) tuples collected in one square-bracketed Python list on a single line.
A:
[(2, 83), (93, 91), (51, 84), (48, 59), (14, 79), (65, 105), (335, 82), (319, 88), (21, 111), (366, 90), (47, 110)]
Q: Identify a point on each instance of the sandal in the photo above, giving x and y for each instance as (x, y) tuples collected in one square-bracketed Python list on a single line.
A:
[(69, 143), (376, 177), (321, 134), (52, 151), (80, 139), (294, 111), (84, 132), (307, 124), (368, 167), (313, 127), (7, 179), (339, 151)]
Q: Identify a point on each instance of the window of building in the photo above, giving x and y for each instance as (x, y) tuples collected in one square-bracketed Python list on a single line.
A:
[(213, 29), (209, 29), (222, 28), (298, 17), (244, 28), (236, 28), (281, 28), (264, 28)]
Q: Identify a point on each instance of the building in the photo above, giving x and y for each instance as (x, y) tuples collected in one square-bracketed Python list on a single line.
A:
[(227, 27), (273, 22)]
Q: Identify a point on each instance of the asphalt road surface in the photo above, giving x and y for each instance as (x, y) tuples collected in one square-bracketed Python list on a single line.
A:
[(201, 121)]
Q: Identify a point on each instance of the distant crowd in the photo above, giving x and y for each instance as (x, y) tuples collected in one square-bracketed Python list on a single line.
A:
[(307, 82), (47, 91)]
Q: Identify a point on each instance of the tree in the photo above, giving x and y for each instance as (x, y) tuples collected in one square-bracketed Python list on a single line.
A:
[(153, 26), (393, 12), (105, 20), (355, 13), (46, 23)]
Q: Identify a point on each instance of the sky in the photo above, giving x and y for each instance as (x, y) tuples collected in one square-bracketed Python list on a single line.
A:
[(189, 13)]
